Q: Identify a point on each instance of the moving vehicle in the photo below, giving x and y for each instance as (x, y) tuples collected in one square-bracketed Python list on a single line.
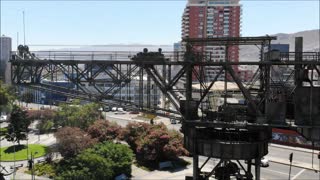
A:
[(263, 163)]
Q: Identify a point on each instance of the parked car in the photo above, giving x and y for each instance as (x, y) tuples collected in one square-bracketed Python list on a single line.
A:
[(173, 121), (106, 108), (120, 109), (134, 112), (114, 109)]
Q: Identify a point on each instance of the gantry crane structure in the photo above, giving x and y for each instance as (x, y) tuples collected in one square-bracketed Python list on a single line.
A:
[(231, 132)]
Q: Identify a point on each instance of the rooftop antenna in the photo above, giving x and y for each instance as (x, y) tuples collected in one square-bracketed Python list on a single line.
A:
[(24, 30)]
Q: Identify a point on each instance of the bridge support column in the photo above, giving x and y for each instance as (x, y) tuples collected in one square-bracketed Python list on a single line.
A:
[(257, 168), (195, 166)]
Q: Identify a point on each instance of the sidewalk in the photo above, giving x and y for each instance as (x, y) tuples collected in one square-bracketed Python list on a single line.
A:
[(136, 118), (295, 148)]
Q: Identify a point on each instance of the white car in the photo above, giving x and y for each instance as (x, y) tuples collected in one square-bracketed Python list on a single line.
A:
[(263, 163), (114, 109), (120, 111)]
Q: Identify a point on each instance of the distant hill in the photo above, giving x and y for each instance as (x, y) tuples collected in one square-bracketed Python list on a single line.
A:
[(118, 47), (247, 53), (310, 43)]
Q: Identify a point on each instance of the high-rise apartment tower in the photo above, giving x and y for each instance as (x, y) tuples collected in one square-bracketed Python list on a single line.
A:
[(5, 51), (209, 19)]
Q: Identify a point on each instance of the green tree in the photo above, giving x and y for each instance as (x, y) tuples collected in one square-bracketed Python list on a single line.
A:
[(103, 161), (7, 97), (77, 116), (45, 126), (18, 125)]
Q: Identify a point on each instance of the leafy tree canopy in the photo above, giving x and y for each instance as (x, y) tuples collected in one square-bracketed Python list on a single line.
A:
[(77, 116), (7, 97), (104, 130), (103, 161), (154, 142), (18, 125), (72, 140)]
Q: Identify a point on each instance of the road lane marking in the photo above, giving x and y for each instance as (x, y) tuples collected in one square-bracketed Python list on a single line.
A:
[(298, 174), (276, 171)]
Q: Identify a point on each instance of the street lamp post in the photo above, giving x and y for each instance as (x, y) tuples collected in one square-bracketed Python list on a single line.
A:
[(31, 165), (14, 160), (14, 154)]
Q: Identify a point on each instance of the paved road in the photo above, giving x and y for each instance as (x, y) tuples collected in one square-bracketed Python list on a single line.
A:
[(273, 172), (124, 119), (299, 157)]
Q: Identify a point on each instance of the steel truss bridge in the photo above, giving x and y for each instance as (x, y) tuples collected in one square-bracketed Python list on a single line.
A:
[(283, 92)]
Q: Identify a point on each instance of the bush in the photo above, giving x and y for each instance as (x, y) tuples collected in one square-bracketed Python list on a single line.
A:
[(104, 130), (43, 169), (103, 161), (154, 142), (133, 132)]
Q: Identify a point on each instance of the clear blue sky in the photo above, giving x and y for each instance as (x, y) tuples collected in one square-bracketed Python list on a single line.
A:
[(143, 22)]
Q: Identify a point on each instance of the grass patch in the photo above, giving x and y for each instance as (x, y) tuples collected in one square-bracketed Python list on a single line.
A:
[(7, 153), (3, 131)]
